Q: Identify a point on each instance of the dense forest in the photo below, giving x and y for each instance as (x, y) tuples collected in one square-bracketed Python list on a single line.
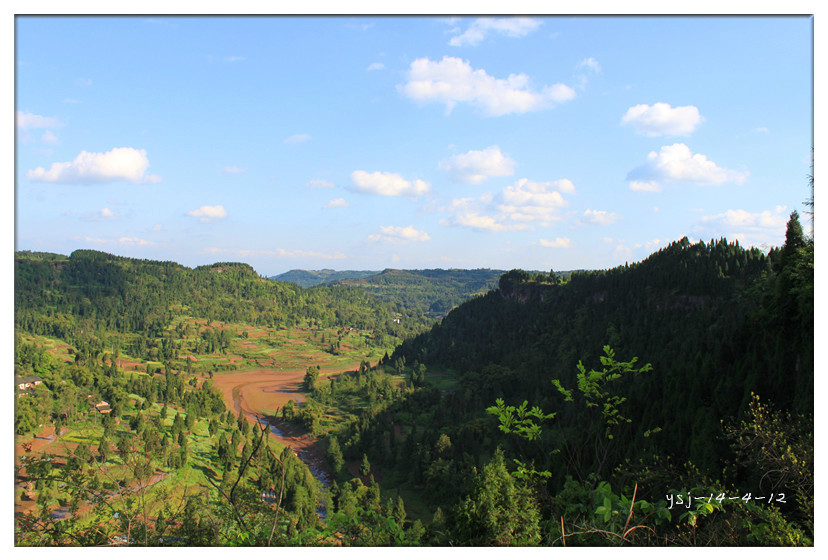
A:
[(309, 278), (430, 292), (664, 402)]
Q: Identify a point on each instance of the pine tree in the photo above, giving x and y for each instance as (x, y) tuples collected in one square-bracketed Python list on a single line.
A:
[(365, 466)]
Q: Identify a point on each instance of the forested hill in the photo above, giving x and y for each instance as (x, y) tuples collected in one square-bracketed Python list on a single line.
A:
[(56, 295), (309, 278), (716, 321), (432, 291)]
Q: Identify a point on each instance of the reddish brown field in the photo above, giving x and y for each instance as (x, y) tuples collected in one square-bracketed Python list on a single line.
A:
[(258, 390)]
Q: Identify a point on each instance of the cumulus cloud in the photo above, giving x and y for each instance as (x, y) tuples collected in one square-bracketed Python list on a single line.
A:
[(453, 80), (387, 184), (750, 228), (337, 203), (678, 164), (475, 166), (375, 66), (208, 213), (469, 212), (530, 201), (26, 121), (320, 184), (118, 164), (600, 217), (297, 138), (661, 119), (776, 219), (518, 207), (557, 243), (481, 27), (398, 235)]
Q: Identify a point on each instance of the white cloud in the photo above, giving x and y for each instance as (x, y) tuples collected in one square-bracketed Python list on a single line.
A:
[(375, 66), (661, 119), (776, 219), (104, 215), (397, 234), (233, 169), (557, 243), (761, 130), (649, 245), (387, 184), (481, 27), (759, 229), (118, 164), (678, 164), (128, 241), (529, 201), (645, 186), (600, 217), (518, 207), (337, 203), (475, 166), (234, 58), (208, 213), (297, 138), (590, 64), (49, 138), (452, 80), (25, 121), (320, 184), (468, 212), (133, 241)]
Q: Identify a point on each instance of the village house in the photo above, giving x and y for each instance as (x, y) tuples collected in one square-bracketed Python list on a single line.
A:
[(24, 384), (103, 407)]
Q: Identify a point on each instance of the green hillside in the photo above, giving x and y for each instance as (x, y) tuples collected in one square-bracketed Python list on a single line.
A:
[(308, 278), (649, 404), (433, 292)]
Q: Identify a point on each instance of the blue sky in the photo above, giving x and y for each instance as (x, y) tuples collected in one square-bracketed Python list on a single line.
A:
[(408, 142)]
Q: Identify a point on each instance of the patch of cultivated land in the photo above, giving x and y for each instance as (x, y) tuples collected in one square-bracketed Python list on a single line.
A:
[(261, 393)]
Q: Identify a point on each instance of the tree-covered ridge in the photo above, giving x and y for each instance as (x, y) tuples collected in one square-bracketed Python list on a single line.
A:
[(431, 291), (54, 295), (308, 278), (720, 406), (715, 320)]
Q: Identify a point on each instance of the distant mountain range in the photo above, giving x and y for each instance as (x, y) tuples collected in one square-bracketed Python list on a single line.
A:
[(433, 292)]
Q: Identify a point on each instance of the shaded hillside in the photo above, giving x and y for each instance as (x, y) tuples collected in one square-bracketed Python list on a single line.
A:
[(714, 320)]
